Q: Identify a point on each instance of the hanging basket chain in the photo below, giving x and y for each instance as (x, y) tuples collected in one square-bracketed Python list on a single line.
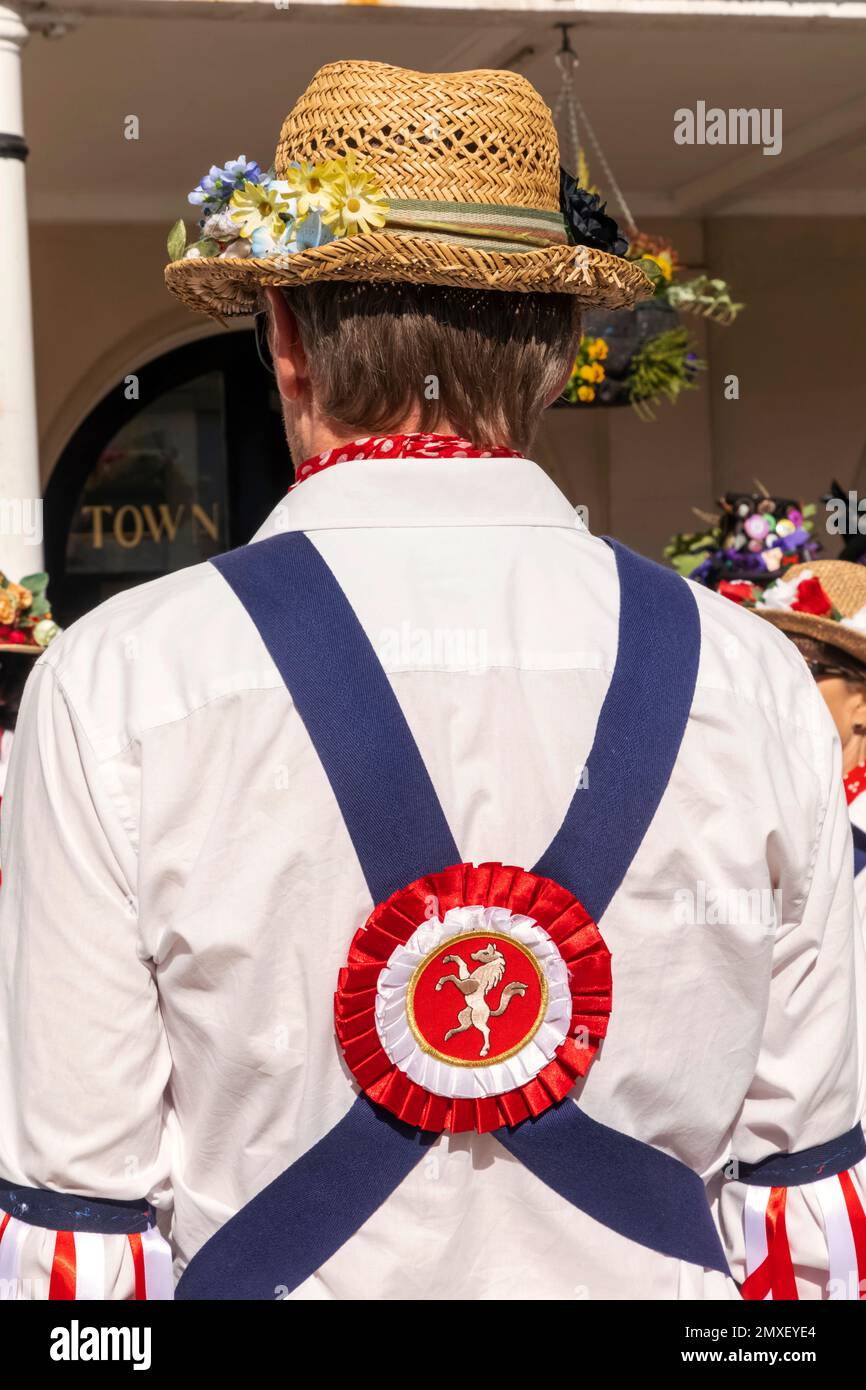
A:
[(608, 172), (567, 97), (567, 60)]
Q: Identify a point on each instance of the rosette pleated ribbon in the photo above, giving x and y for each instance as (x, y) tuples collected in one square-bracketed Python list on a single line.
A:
[(439, 922), (393, 1017)]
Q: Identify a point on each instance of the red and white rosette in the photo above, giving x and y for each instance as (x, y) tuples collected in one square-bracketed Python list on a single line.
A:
[(473, 998)]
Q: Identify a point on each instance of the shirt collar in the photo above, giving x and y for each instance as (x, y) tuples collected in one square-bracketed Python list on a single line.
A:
[(416, 491)]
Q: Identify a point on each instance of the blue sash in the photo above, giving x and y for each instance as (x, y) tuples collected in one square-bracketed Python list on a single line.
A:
[(859, 837), (399, 832)]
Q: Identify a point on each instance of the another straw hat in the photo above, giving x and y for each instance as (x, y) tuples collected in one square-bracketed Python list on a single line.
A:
[(840, 582), (26, 624), (466, 166)]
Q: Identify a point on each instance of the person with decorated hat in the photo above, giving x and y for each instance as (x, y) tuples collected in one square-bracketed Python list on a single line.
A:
[(26, 628), (388, 929), (821, 606), (753, 541)]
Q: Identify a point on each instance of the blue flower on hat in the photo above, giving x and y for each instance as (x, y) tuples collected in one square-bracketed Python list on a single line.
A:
[(311, 231), (213, 192)]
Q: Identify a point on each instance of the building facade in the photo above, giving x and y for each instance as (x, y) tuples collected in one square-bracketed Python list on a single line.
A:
[(155, 438)]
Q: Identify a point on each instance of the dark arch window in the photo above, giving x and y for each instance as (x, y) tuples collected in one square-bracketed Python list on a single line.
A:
[(188, 468)]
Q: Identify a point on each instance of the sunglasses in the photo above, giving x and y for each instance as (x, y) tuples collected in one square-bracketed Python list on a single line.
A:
[(821, 670)]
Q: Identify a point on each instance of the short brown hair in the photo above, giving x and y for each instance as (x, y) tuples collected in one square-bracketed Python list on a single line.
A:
[(484, 360)]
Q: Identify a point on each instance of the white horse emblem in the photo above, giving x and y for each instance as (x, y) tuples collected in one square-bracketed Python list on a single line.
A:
[(474, 986)]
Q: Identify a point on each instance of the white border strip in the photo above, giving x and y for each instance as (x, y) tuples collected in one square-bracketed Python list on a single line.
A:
[(755, 1229)]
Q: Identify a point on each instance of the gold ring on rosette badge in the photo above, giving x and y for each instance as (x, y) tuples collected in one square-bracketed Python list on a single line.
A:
[(473, 1014)]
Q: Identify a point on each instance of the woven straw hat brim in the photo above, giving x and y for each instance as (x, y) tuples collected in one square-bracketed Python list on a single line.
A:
[(845, 585), (821, 629), (21, 648), (227, 286)]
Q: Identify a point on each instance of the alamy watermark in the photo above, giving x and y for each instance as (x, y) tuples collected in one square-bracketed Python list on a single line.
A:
[(455, 648), (707, 905), (734, 125), (22, 517), (846, 516), (83, 1343)]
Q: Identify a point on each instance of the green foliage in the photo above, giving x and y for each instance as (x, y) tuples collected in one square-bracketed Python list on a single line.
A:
[(661, 369), (653, 271), (176, 243), (205, 247), (36, 583), (688, 549), (709, 298)]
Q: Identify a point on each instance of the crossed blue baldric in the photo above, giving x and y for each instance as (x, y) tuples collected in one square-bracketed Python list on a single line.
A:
[(399, 832)]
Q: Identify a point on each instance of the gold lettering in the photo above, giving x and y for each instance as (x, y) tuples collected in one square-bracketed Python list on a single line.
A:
[(210, 523), (119, 535), (128, 522), (166, 522), (98, 535)]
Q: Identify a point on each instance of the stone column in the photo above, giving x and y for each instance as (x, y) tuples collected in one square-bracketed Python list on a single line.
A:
[(20, 491)]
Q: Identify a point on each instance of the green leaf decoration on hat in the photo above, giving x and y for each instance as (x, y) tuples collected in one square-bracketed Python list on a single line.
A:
[(206, 247), (36, 583), (176, 242)]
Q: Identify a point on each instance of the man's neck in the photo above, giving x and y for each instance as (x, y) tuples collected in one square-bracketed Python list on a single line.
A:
[(321, 436)]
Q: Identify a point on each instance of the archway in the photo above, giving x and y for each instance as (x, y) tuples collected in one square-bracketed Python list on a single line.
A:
[(187, 468)]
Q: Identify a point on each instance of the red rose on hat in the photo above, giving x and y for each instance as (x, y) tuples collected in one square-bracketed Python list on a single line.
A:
[(811, 597), (740, 590)]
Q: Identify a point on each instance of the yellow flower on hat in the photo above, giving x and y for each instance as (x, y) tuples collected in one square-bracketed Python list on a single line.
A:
[(257, 206), (359, 203), (312, 185)]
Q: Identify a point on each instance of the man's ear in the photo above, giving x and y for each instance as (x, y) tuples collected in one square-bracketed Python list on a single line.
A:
[(287, 351)]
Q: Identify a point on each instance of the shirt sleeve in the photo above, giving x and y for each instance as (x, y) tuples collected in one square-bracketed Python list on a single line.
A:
[(792, 1201), (84, 1062)]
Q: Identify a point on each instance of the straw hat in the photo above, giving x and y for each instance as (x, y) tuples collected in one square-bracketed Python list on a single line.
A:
[(840, 584), (462, 180)]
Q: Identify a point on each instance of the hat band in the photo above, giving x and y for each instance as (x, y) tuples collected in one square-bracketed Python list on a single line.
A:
[(493, 226)]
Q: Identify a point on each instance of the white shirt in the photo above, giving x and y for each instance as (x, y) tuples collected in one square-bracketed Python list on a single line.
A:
[(7, 738), (857, 814), (179, 893)]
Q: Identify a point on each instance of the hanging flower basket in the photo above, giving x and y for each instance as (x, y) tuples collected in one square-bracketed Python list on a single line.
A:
[(648, 355), (645, 356), (622, 335)]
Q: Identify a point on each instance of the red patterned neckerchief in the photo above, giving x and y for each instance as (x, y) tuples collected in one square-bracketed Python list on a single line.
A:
[(855, 782), (382, 446)]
